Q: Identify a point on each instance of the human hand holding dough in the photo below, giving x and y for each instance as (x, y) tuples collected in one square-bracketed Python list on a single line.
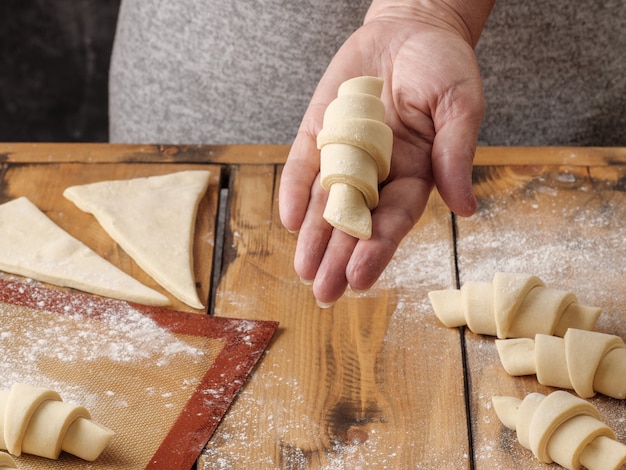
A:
[(36, 421), (584, 361), (562, 428), (355, 150), (512, 306)]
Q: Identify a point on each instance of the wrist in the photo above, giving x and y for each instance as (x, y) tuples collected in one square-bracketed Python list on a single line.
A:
[(463, 17)]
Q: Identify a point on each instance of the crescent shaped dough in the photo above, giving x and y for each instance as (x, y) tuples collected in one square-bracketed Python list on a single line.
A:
[(584, 352), (562, 428), (584, 361), (513, 305), (6, 461), (34, 246), (36, 421), (21, 404), (477, 302), (355, 154), (352, 166), (48, 426), (509, 291), (153, 220)]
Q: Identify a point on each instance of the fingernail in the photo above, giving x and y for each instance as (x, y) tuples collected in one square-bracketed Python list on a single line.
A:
[(358, 291), (306, 282), (324, 305)]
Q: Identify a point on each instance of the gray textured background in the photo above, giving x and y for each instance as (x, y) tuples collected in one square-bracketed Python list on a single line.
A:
[(554, 72)]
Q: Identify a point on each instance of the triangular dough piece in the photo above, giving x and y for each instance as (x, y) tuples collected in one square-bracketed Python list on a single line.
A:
[(153, 219), (32, 245)]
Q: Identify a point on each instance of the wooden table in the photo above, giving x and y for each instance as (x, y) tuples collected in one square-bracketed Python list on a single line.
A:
[(376, 381)]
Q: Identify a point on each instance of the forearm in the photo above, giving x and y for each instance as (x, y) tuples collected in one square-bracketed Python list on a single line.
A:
[(466, 17)]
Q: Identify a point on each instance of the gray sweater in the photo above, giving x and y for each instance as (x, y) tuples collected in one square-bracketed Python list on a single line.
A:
[(242, 71)]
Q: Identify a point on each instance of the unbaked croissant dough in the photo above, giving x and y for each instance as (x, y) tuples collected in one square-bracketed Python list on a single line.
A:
[(153, 219), (562, 428), (584, 361), (514, 305), (355, 150), (36, 421), (6, 461), (32, 245)]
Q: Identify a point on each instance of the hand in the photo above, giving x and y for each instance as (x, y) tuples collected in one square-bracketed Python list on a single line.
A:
[(434, 104)]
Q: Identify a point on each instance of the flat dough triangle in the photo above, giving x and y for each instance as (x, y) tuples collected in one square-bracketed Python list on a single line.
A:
[(153, 219), (32, 245)]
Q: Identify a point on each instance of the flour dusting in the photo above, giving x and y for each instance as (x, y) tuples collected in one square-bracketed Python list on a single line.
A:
[(572, 240), (570, 233), (119, 335), (423, 262)]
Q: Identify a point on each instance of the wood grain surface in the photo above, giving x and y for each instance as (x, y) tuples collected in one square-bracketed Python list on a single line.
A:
[(359, 385), (23, 152), (376, 381), (568, 226)]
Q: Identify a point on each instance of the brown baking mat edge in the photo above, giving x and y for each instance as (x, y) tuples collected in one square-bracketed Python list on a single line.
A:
[(245, 341)]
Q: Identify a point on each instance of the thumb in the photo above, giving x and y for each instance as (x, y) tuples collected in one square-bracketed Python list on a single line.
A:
[(453, 153)]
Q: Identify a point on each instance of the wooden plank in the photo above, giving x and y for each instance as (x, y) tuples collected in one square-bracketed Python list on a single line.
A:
[(135, 153), (574, 156), (277, 154), (44, 184), (567, 225), (374, 382)]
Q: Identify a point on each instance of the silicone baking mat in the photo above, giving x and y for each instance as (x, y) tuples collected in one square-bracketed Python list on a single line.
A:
[(161, 379)]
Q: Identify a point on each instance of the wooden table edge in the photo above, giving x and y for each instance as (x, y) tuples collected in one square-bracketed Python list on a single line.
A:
[(276, 154)]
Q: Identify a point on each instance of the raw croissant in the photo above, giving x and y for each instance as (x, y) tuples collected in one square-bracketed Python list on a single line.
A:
[(355, 151), (36, 421), (584, 361), (512, 306), (562, 428), (6, 461)]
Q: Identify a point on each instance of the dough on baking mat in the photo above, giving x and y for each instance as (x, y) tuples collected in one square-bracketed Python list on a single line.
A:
[(6, 461), (153, 219), (37, 421), (34, 246)]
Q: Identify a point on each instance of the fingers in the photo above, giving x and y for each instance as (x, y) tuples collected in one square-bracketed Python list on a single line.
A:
[(330, 279), (454, 147), (322, 253), (332, 260), (297, 178), (313, 237), (401, 205), (303, 162), (452, 172)]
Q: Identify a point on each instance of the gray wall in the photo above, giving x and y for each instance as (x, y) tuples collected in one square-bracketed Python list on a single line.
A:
[(554, 72)]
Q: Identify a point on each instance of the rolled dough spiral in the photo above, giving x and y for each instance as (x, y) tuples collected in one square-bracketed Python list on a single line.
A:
[(355, 154), (584, 361), (36, 421), (562, 428), (513, 305), (6, 461)]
